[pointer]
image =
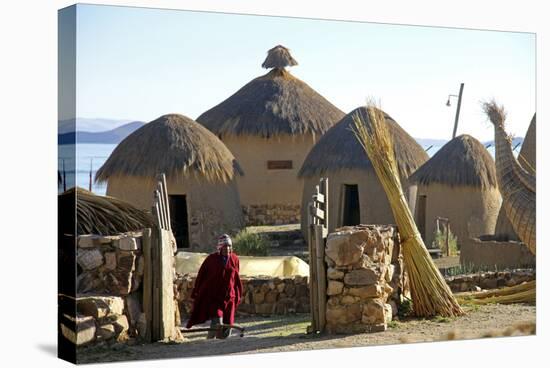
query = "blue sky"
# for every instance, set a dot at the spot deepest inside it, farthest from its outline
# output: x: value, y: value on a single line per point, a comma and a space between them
x: 139, y: 64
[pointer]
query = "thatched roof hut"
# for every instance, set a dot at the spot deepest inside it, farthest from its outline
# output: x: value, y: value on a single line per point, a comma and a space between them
x: 270, y: 125
x: 200, y: 172
x: 458, y: 183
x: 355, y: 193
x: 527, y: 159
x: 100, y: 215
x: 171, y: 144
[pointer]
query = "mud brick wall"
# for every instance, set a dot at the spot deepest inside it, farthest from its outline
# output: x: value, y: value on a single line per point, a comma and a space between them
x: 490, y: 251
x: 489, y: 280
x: 279, y: 214
x: 261, y: 295
x: 365, y: 278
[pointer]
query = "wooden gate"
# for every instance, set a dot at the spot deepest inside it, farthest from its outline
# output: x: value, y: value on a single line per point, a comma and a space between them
x: 159, y: 247
x: 317, y: 233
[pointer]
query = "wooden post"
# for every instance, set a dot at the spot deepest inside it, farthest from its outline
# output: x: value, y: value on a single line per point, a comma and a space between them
x: 447, y: 238
x: 64, y: 175
x: 164, y: 194
x: 314, y: 310
x: 458, y: 109
x: 90, y: 181
x: 321, y: 277
x: 147, y: 284
x: 160, y: 202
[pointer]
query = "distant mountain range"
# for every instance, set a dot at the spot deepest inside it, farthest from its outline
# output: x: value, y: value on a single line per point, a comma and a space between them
x: 112, y: 136
x: 427, y: 142
x: 89, y: 125
x: 114, y: 131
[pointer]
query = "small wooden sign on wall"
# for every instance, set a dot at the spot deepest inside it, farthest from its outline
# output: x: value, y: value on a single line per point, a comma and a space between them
x: 279, y: 165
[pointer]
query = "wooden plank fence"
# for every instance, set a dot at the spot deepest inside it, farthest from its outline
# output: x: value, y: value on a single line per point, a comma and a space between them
x: 317, y: 233
x: 158, y: 251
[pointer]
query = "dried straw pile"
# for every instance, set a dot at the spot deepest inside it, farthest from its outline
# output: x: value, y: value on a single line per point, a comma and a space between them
x: 524, y: 293
x: 430, y: 294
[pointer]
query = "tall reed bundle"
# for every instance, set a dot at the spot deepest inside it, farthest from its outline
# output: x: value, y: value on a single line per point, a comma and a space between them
x: 430, y: 294
x: 523, y: 293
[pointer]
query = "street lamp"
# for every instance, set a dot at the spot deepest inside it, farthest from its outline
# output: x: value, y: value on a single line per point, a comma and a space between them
x: 457, y: 106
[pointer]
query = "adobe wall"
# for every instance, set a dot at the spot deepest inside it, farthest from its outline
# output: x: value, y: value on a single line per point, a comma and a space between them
x: 489, y: 251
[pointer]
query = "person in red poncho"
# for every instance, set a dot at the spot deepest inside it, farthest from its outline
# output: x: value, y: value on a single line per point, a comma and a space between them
x: 218, y: 289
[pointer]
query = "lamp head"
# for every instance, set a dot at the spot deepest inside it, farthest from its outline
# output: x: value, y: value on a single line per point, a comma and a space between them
x: 448, y: 102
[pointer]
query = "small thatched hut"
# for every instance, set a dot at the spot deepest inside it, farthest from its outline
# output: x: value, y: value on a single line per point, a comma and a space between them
x: 200, y: 173
x: 458, y: 183
x: 355, y: 193
x: 527, y: 159
x: 270, y: 125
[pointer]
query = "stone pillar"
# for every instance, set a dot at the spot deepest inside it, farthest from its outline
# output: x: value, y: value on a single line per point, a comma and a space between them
x: 365, y: 278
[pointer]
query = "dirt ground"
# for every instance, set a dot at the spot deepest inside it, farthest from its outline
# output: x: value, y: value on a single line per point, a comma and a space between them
x: 287, y: 333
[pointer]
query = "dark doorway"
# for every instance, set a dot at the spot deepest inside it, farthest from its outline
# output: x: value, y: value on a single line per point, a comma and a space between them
x: 178, y: 221
x: 352, y: 214
x: 421, y: 215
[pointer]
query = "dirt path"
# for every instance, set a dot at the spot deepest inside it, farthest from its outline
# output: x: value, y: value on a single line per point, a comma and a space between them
x: 286, y: 333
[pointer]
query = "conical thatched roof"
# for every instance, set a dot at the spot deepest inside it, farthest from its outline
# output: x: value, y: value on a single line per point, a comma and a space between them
x: 339, y: 149
x: 463, y: 161
x: 99, y: 215
x: 172, y: 144
x: 278, y: 57
x: 276, y: 103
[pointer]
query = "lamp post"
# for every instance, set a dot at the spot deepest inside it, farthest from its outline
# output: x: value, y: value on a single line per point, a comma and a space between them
x: 457, y: 107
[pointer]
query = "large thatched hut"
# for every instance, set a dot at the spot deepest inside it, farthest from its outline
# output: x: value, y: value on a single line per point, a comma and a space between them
x: 200, y: 173
x: 458, y: 183
x: 355, y: 193
x: 270, y: 125
x: 527, y: 159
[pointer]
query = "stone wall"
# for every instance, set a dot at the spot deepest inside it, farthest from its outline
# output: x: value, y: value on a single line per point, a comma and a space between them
x: 111, y: 265
x: 490, y: 251
x: 489, y: 280
x: 109, y: 303
x: 261, y: 295
x: 365, y: 278
x: 267, y: 214
x: 103, y: 319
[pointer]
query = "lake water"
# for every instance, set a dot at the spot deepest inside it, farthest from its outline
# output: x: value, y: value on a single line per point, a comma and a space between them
x: 91, y: 156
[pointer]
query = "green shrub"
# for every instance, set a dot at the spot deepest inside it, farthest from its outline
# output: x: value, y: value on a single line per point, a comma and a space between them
x: 441, y: 241
x: 246, y: 243
x: 405, y: 308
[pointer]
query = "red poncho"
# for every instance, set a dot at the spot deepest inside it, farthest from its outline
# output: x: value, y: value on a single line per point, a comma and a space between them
x: 217, y: 290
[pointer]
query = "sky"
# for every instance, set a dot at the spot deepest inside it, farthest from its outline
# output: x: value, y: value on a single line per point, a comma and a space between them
x: 138, y: 64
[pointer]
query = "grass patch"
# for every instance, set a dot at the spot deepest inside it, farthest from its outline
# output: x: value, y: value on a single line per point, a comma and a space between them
x: 440, y: 241
x: 441, y: 319
x: 405, y: 309
x: 393, y: 324
x: 246, y: 243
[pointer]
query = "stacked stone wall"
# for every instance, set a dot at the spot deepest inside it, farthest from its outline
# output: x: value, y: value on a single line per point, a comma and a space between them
x: 109, y: 303
x: 365, y: 278
x: 261, y: 295
x: 489, y: 280
x: 267, y: 214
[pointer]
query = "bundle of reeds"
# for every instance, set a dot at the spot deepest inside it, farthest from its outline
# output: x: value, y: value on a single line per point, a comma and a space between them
x: 523, y: 293
x: 430, y: 294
